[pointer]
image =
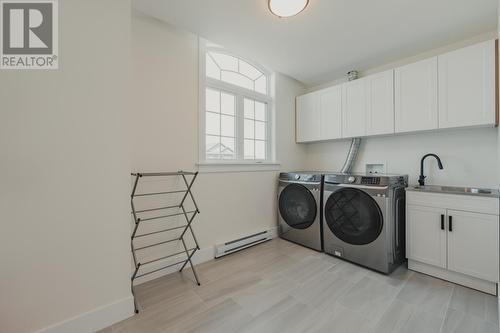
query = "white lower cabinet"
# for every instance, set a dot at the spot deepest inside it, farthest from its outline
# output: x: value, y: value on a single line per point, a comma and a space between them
x: 473, y: 244
x: 426, y: 240
x: 454, y: 237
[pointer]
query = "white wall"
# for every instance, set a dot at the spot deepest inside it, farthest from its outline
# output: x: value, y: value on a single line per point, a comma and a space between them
x: 164, y: 134
x: 64, y: 186
x: 469, y: 156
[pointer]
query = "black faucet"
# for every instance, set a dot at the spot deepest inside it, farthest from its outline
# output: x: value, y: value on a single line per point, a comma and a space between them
x: 421, y: 179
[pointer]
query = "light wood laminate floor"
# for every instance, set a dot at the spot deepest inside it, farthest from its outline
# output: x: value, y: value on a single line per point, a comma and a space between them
x: 282, y: 287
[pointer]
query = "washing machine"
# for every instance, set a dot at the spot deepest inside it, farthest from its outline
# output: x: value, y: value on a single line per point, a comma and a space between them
x: 299, y: 208
x: 364, y: 219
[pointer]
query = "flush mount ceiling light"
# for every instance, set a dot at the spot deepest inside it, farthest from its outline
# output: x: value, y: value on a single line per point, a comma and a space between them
x: 287, y: 8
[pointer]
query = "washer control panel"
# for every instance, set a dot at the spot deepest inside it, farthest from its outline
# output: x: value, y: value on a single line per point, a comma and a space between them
x: 370, y: 180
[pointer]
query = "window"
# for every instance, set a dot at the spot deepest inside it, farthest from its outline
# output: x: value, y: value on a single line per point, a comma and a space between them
x: 235, y: 109
x: 255, y: 125
x: 220, y: 125
x: 235, y: 71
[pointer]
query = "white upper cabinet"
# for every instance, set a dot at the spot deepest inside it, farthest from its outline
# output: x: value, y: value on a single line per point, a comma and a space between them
x: 319, y: 115
x: 307, y: 118
x: 354, y: 108
x: 456, y: 89
x: 368, y: 105
x: 416, y: 96
x: 330, y: 105
x: 380, y: 103
x: 467, y: 86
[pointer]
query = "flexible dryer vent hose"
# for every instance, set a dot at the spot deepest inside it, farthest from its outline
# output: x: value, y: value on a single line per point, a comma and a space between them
x: 351, y: 155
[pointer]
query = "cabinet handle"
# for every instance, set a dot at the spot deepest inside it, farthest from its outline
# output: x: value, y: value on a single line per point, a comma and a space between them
x: 450, y: 223
x: 442, y: 221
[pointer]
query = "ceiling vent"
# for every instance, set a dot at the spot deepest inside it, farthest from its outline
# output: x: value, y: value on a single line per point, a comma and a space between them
x: 352, y: 75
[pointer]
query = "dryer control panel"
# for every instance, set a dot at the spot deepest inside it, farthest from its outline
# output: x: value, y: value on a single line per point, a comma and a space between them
x: 300, y: 177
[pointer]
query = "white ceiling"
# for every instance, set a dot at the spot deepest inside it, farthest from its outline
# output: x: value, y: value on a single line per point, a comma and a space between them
x: 331, y: 36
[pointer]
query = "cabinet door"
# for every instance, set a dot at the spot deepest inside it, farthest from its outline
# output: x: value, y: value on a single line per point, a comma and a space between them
x: 425, y: 239
x: 473, y: 244
x: 380, y: 103
x: 330, y: 105
x: 416, y: 96
x: 354, y: 109
x: 307, y: 117
x: 467, y: 86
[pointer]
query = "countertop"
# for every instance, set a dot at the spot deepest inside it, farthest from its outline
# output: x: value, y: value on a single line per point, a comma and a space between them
x: 471, y: 191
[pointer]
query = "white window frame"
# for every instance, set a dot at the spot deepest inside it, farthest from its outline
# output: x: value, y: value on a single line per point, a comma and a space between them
x: 240, y: 93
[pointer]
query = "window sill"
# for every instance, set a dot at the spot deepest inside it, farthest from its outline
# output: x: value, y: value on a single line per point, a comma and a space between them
x: 210, y: 167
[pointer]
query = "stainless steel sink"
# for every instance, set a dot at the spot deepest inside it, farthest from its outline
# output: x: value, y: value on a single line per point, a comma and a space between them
x: 485, y: 192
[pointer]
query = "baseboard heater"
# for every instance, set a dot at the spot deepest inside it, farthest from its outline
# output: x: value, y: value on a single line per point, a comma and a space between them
x: 242, y: 243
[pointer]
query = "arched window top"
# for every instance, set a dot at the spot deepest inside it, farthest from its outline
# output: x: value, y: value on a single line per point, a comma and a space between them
x: 236, y: 71
x: 236, y: 105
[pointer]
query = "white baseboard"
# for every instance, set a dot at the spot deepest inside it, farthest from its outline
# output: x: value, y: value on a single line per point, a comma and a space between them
x: 94, y: 320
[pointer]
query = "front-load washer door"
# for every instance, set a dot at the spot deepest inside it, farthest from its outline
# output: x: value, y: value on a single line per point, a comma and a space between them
x: 353, y: 216
x: 297, y: 206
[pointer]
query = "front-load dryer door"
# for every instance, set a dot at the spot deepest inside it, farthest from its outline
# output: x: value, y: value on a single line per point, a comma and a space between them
x: 353, y: 216
x: 297, y: 206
